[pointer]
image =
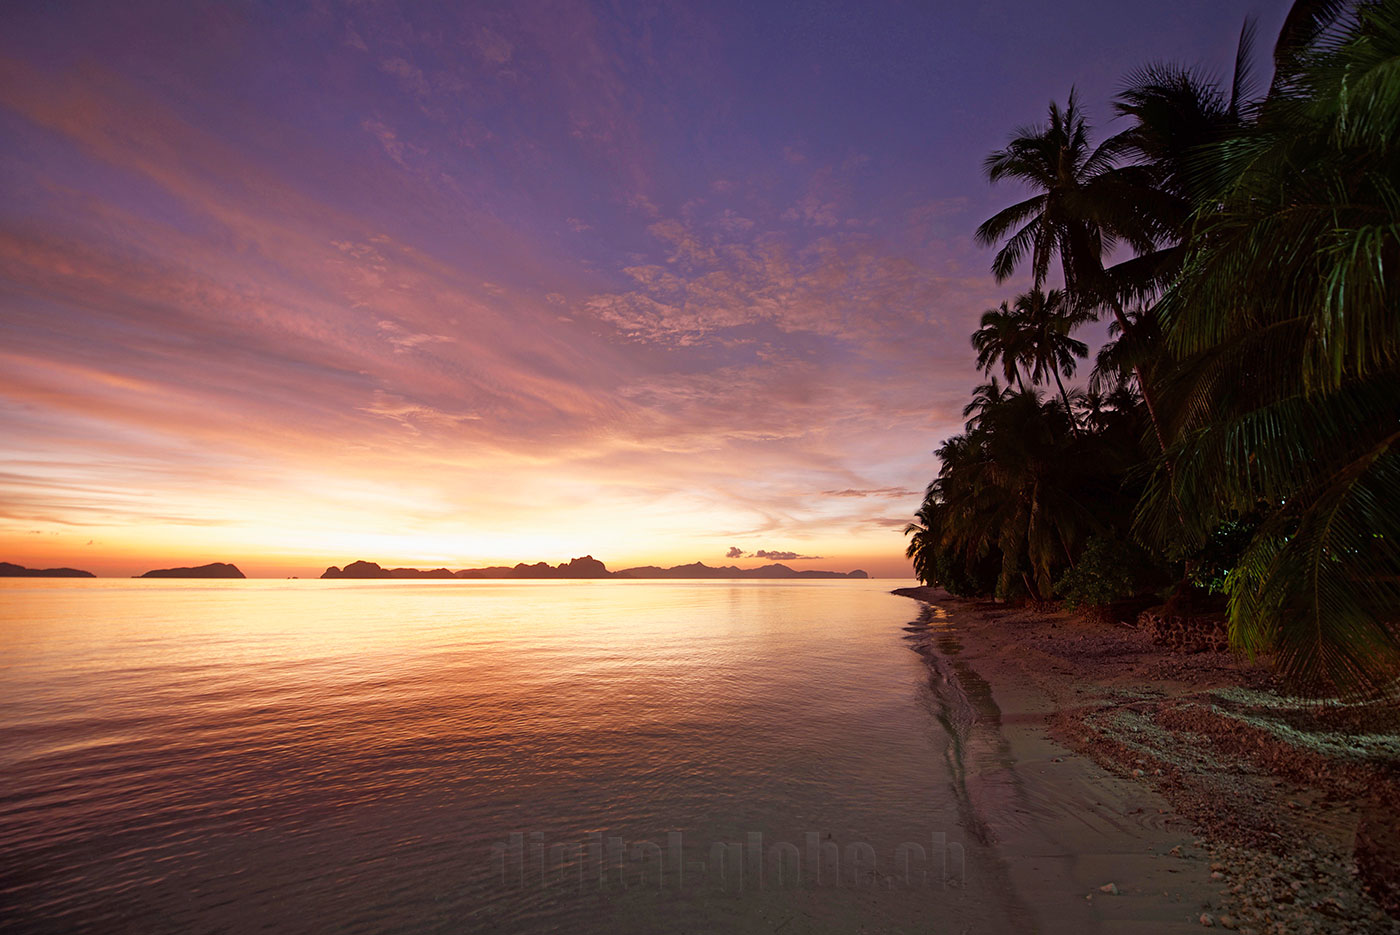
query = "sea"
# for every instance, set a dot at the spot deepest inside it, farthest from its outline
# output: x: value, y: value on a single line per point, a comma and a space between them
x: 490, y: 756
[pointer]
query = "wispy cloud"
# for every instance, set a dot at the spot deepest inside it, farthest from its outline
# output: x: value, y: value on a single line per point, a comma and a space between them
x: 448, y: 276
x: 887, y: 493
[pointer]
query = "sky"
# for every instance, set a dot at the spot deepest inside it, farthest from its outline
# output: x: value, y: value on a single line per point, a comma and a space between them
x: 462, y: 284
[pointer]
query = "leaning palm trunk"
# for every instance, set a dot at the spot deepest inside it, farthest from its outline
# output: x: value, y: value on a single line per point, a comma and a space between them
x: 1069, y: 410
x: 1146, y: 392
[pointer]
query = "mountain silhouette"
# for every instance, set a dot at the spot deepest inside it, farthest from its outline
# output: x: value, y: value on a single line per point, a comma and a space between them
x: 579, y: 568
x: 11, y: 570
x: 212, y: 570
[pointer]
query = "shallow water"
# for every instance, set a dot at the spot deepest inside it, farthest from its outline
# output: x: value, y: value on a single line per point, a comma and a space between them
x: 489, y: 756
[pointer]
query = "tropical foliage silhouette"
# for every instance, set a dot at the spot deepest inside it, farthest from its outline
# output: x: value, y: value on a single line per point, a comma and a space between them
x: 1241, y: 423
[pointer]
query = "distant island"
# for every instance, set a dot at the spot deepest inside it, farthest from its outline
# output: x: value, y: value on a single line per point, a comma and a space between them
x: 584, y: 567
x: 11, y: 570
x: 212, y: 570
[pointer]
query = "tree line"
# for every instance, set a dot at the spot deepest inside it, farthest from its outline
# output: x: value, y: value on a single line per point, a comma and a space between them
x: 1234, y: 445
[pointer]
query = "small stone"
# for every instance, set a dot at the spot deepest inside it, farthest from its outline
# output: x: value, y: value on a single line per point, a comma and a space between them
x: 1176, y: 851
x: 1217, y: 875
x: 1206, y: 919
x: 1137, y: 773
x: 1227, y: 922
x: 1296, y: 885
x: 1109, y: 888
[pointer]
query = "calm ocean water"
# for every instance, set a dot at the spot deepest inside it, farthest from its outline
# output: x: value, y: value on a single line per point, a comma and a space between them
x: 596, y: 756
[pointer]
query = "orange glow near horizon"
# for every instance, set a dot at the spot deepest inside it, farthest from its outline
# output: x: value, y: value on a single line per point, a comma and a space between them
x: 209, y: 359
x: 291, y: 286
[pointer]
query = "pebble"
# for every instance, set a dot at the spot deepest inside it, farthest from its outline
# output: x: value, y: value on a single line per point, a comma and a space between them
x: 1206, y: 919
x: 1109, y: 888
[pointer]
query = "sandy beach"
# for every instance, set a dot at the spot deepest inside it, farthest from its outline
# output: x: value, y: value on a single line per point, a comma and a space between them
x: 1166, y: 792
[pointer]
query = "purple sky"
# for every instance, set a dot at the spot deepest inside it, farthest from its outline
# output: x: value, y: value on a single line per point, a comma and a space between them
x: 463, y: 283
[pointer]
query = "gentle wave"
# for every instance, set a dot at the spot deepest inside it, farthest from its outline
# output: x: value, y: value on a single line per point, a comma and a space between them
x: 309, y: 755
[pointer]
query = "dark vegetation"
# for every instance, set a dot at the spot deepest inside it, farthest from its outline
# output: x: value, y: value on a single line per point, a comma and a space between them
x: 1235, y: 445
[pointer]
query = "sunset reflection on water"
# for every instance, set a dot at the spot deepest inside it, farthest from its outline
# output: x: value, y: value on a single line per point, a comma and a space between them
x: 236, y: 754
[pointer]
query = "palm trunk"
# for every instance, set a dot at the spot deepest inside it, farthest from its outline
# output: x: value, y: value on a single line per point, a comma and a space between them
x: 1151, y: 412
x: 1122, y: 319
x: 1065, y: 545
x: 1073, y: 422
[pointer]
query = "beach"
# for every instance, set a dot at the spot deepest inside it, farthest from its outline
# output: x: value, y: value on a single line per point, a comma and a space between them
x: 1186, y: 786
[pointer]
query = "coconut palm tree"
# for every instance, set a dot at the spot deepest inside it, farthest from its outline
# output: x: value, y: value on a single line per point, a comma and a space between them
x: 1084, y: 206
x: 1124, y: 354
x: 1049, y: 348
x: 1284, y: 326
x: 923, y: 541
x: 985, y: 397
x: 1079, y: 210
x: 1013, y: 490
x: 1306, y: 23
x: 1176, y: 114
x: 1001, y: 339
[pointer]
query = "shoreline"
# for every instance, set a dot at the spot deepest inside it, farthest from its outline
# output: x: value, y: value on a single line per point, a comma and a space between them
x: 1186, y: 781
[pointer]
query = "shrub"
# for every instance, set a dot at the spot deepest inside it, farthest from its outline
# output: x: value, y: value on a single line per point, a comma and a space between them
x: 1215, y: 560
x: 1107, y: 570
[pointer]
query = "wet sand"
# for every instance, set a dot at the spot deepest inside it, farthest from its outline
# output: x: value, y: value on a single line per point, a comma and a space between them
x: 1129, y: 790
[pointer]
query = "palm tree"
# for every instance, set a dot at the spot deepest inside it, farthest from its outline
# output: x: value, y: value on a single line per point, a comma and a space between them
x: 1306, y: 23
x: 1177, y: 113
x: 985, y: 397
x: 1049, y: 347
x: 1084, y: 205
x: 1000, y: 339
x: 1124, y: 354
x: 1284, y: 326
x: 1014, y: 490
x: 1079, y: 210
x: 923, y: 542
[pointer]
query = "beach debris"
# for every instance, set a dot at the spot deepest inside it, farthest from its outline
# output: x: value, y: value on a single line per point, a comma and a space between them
x: 1109, y: 888
x: 1207, y: 919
